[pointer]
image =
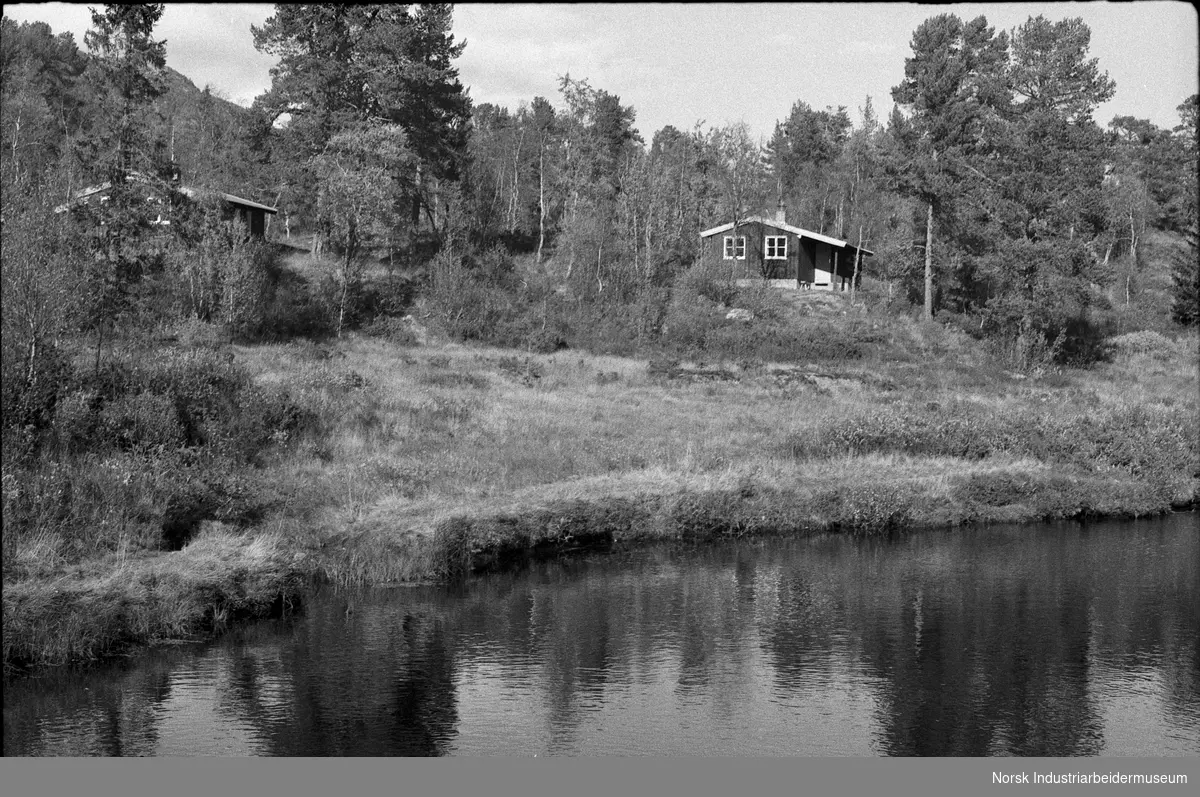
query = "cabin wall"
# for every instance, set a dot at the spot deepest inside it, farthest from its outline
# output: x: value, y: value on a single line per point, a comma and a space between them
x: 753, y: 266
x: 254, y: 219
x: 808, y: 259
x: 812, y: 263
x: 780, y: 269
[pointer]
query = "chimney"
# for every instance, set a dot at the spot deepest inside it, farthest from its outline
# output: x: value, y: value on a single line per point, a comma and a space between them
x: 781, y: 213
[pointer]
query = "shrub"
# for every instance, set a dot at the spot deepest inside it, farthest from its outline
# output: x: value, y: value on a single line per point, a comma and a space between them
x: 141, y: 423
x: 1030, y: 351
x: 1157, y: 445
x: 1185, y: 276
x: 812, y: 340
x: 398, y: 331
x: 869, y: 508
x: 1144, y: 342
x: 298, y: 308
x: 546, y: 341
x: 689, y: 321
x: 708, y: 279
x: 30, y: 389
x: 763, y: 301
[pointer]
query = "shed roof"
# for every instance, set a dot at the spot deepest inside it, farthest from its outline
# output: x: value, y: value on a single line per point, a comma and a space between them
x: 187, y: 190
x: 800, y: 231
x: 195, y: 193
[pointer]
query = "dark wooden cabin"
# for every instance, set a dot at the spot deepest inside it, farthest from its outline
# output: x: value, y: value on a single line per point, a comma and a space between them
x: 783, y: 255
x: 252, y: 214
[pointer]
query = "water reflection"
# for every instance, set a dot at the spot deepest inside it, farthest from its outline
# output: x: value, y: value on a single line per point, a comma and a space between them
x: 1045, y: 641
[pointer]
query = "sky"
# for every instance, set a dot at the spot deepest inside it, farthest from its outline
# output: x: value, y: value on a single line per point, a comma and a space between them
x: 714, y: 63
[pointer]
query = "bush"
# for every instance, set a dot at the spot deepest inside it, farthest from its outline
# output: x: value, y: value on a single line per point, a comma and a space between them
x: 708, y: 279
x: 869, y: 509
x: 1156, y: 445
x: 298, y: 309
x: 689, y: 321
x: 398, y: 331
x: 1144, y: 342
x: 1185, y: 276
x: 785, y: 343
x: 763, y: 301
x: 30, y: 392
x: 141, y: 423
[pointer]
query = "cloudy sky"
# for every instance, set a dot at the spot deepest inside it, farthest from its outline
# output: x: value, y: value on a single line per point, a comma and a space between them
x: 717, y: 63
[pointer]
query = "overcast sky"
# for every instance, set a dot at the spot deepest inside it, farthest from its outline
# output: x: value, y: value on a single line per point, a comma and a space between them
x: 679, y: 64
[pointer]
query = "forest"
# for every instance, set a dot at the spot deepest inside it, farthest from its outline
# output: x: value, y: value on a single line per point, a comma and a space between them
x: 158, y: 378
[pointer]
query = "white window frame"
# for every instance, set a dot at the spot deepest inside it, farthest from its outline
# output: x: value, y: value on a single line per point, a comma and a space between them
x: 772, y: 249
x: 729, y: 247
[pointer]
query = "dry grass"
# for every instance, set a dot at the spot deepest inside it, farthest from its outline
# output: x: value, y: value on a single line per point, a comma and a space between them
x: 498, y: 446
x: 425, y: 462
x: 104, y: 606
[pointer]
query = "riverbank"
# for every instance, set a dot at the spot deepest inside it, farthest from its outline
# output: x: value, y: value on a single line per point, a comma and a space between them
x: 415, y: 463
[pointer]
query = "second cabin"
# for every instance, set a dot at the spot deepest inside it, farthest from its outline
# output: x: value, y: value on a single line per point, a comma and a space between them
x: 759, y: 249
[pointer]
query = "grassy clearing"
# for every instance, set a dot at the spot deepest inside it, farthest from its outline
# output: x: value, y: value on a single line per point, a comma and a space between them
x: 412, y: 463
x: 440, y: 460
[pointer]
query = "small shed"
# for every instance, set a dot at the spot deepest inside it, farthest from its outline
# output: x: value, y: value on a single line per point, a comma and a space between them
x: 781, y: 254
x: 158, y: 192
x: 250, y: 213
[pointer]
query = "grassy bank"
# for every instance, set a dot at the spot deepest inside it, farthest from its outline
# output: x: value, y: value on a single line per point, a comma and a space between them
x: 419, y: 462
x: 105, y: 606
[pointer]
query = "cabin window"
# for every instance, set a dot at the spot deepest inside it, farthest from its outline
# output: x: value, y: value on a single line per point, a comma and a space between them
x: 776, y: 247
x: 733, y: 250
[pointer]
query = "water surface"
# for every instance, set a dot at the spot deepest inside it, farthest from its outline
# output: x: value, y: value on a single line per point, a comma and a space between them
x: 1033, y: 641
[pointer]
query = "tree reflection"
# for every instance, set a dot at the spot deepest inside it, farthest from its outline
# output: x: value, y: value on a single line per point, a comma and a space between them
x: 986, y: 642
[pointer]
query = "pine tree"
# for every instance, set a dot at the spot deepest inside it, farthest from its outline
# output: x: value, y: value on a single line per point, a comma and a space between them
x: 126, y: 72
x: 953, y: 88
x: 344, y: 65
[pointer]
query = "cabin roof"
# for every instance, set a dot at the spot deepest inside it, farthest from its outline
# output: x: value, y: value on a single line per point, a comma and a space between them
x: 800, y: 231
x: 195, y: 193
x: 189, y: 191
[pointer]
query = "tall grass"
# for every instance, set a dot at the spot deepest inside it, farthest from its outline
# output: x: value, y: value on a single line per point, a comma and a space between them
x: 110, y: 605
x: 372, y: 462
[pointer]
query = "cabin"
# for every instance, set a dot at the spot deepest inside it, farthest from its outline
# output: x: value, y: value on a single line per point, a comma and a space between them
x: 252, y: 214
x: 248, y: 212
x: 782, y: 255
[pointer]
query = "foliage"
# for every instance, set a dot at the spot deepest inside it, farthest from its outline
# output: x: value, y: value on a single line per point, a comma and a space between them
x: 41, y: 95
x: 364, y: 172
x: 342, y: 66
x: 224, y: 275
x: 802, y: 151
x: 1185, y: 301
x: 1151, y: 443
x: 128, y: 67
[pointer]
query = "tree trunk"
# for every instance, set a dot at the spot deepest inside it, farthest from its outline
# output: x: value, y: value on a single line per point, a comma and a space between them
x: 541, y: 200
x: 635, y: 243
x: 16, y: 138
x: 1133, y: 240
x: 733, y: 263
x: 857, y: 265
x: 929, y: 263
x: 599, y: 281
x: 514, y: 196
x: 649, y: 254
x: 99, y: 344
x: 342, y: 300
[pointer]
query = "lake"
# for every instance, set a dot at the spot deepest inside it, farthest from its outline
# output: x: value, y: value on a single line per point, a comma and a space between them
x: 1053, y: 640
